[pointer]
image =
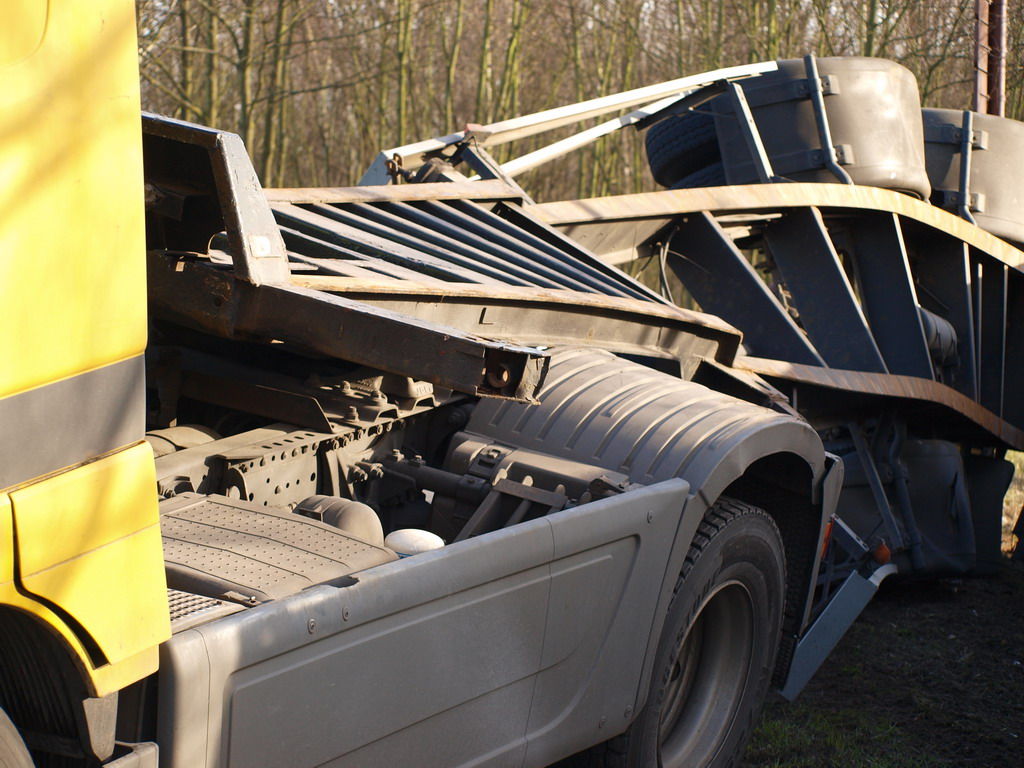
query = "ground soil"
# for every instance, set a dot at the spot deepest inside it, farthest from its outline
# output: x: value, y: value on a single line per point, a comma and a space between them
x: 931, y: 674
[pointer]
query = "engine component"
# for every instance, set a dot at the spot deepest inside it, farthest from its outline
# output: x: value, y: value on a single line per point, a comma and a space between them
x: 412, y: 541
x: 239, y: 551
x: 347, y: 515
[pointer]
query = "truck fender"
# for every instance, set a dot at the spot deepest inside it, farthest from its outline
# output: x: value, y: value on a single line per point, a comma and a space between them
x: 599, y: 409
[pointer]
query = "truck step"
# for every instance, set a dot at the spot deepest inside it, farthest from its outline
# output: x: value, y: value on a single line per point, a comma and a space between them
x: 246, y: 553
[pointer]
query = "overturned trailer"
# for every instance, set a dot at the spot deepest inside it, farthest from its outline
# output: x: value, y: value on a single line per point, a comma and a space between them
x: 649, y: 514
x: 435, y: 357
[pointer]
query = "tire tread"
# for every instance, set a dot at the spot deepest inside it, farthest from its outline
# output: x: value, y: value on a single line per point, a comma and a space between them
x: 719, y: 516
x: 681, y: 145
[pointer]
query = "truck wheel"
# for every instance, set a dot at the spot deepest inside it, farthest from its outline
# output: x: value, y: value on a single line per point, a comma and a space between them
x: 12, y: 749
x: 717, y: 649
x: 681, y: 145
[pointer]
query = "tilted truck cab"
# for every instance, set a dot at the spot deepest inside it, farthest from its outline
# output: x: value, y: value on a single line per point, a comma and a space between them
x: 81, y: 578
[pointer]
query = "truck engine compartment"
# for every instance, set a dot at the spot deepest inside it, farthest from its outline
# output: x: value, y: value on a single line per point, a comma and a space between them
x: 337, y: 453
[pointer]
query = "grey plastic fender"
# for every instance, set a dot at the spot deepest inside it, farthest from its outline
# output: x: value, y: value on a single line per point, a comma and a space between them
x: 598, y: 409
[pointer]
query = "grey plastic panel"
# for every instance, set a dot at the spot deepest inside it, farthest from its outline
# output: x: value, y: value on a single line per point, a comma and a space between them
x: 997, y: 156
x: 873, y: 109
x: 434, y: 659
x: 238, y: 550
x: 601, y: 639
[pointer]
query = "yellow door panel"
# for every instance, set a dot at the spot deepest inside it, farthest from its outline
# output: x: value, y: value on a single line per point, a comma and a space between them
x: 6, y: 541
x: 89, y: 542
x: 72, y: 240
x: 22, y: 30
x: 109, y: 591
x: 85, y: 508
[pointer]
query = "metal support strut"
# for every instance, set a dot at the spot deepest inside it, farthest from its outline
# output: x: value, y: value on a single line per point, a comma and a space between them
x: 828, y: 150
x: 762, y: 164
x: 966, y: 146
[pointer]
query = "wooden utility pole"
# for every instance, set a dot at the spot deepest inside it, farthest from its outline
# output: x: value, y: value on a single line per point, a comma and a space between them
x: 980, y: 101
x: 997, y: 57
x: 989, y: 57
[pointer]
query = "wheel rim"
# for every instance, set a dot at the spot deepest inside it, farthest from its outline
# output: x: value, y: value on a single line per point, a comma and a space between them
x: 711, y: 666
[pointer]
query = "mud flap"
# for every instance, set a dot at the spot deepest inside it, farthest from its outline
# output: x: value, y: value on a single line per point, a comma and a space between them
x: 829, y: 628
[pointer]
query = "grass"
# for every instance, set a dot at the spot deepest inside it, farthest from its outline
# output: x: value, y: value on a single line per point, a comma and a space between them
x: 802, y: 737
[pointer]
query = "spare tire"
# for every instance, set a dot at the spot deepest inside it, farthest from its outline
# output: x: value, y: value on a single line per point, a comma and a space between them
x: 681, y: 145
x: 710, y: 176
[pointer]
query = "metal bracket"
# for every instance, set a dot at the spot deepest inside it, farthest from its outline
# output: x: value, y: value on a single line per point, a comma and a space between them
x: 793, y: 162
x: 950, y: 199
x: 826, y: 632
x: 489, y: 513
x: 896, y: 539
x: 850, y: 541
x: 481, y: 161
x: 763, y: 94
x: 948, y: 133
x: 257, y: 248
x: 966, y: 148
x: 828, y: 149
x: 689, y: 102
x: 550, y: 119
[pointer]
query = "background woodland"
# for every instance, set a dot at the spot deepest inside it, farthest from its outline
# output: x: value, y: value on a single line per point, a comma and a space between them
x: 317, y: 87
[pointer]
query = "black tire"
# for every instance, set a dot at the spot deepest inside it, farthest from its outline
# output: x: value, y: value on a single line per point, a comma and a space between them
x: 710, y: 176
x: 12, y: 749
x: 680, y: 145
x: 717, y: 649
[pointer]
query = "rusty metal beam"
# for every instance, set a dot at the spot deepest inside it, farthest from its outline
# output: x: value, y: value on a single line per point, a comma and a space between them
x: 531, y: 316
x: 478, y: 190
x: 647, y: 210
x: 194, y: 293
x: 880, y: 385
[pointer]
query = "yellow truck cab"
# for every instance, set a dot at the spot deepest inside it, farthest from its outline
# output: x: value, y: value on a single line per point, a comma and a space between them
x: 81, y: 573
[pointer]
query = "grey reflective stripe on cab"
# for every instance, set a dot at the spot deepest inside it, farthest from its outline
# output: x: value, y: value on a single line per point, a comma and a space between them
x: 70, y: 421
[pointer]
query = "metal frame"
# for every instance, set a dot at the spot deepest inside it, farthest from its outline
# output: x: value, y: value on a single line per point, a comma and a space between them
x: 655, y: 97
x: 955, y: 270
